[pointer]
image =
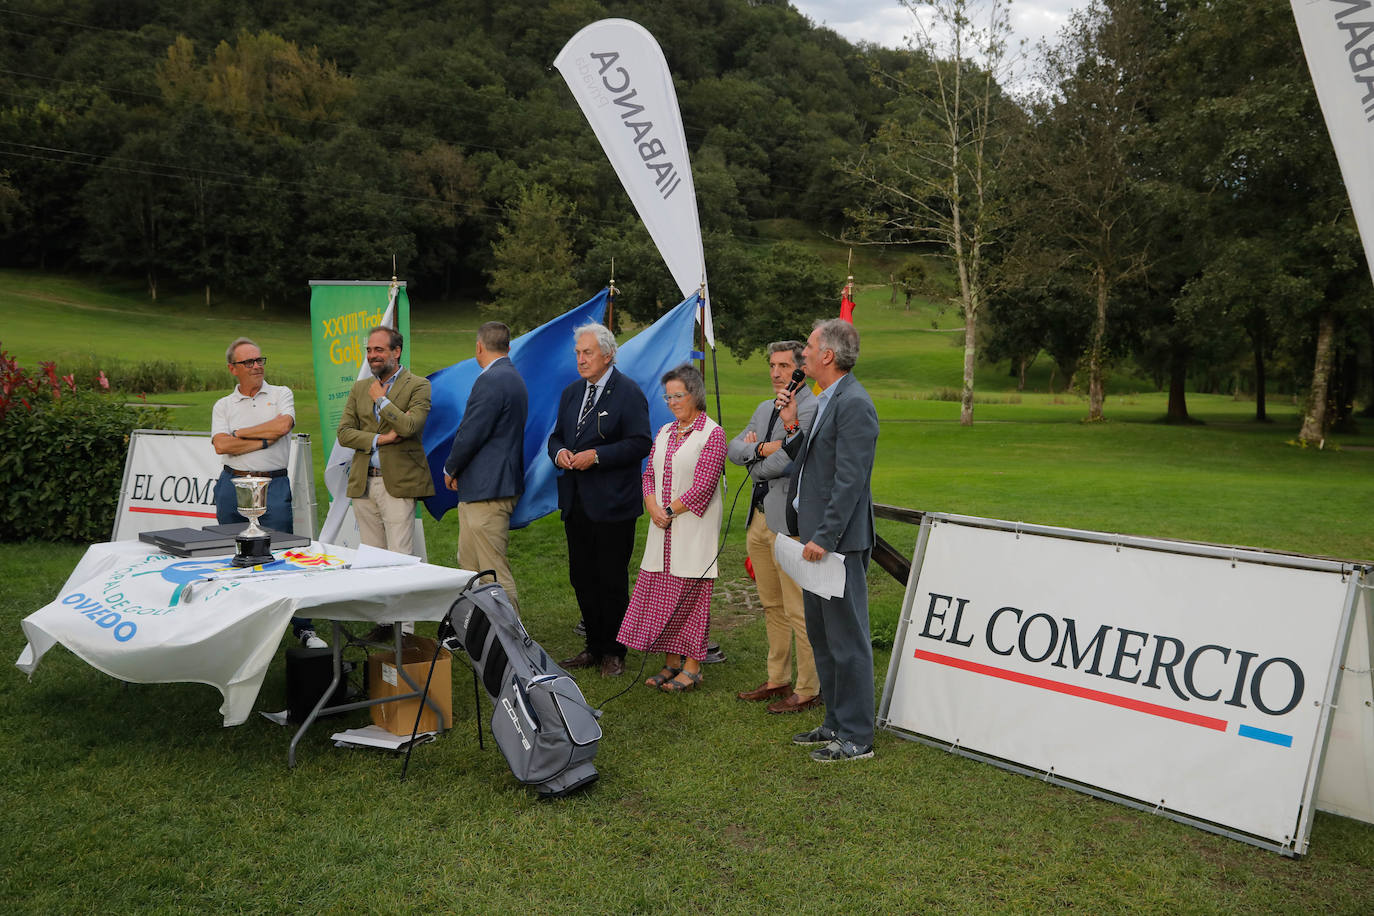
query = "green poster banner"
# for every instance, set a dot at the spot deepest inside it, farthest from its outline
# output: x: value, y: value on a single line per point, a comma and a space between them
x: 342, y: 313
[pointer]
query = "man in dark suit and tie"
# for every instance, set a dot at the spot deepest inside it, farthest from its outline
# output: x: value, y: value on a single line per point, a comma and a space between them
x: 599, y: 444
x: 486, y: 466
x: 832, y: 510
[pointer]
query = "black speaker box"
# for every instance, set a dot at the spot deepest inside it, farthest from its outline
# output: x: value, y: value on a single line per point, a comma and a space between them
x: 308, y: 673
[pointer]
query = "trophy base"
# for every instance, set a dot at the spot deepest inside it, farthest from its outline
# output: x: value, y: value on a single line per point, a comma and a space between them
x: 253, y: 551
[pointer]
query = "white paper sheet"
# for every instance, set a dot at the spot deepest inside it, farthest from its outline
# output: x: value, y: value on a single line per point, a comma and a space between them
x: 824, y: 577
x: 370, y: 557
x: 376, y: 736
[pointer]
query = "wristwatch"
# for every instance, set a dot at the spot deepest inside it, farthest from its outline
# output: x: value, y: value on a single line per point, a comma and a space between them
x: 670, y: 512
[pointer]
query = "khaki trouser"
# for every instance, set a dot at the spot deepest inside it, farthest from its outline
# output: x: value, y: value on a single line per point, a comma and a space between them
x: 384, y: 520
x: 783, y: 615
x: 483, y: 535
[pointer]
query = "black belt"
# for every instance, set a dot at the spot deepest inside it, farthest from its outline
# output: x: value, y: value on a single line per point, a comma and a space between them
x: 373, y: 472
x: 279, y: 472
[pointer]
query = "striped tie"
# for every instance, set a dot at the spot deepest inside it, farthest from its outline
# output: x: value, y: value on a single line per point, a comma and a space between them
x: 587, y: 405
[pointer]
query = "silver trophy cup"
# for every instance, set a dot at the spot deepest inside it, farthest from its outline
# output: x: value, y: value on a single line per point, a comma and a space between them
x: 254, y: 544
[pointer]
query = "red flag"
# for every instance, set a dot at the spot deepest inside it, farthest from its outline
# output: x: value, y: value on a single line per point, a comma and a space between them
x: 847, y: 302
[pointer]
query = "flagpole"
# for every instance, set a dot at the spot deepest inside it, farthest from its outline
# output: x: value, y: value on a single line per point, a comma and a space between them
x: 610, y: 299
x: 847, y: 295
x: 701, y: 332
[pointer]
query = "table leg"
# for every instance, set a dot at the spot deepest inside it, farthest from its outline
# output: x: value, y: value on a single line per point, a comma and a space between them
x: 336, y: 650
x: 337, y: 647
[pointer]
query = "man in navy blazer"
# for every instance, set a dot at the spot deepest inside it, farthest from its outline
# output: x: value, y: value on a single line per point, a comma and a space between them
x: 599, y: 444
x: 486, y: 466
x: 831, y: 508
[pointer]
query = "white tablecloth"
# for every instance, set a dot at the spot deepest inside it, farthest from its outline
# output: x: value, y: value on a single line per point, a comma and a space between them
x: 126, y: 610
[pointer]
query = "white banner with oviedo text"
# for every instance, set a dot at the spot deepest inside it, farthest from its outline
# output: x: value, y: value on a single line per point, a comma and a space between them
x: 150, y: 618
x: 1197, y: 683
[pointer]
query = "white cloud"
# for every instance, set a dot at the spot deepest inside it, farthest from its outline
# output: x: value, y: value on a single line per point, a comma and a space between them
x: 887, y: 22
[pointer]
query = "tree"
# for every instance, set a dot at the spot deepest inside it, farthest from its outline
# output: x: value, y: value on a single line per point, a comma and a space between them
x: 1078, y: 157
x: 930, y: 174
x: 790, y: 288
x: 127, y: 207
x: 911, y: 279
x: 11, y: 201
x: 448, y: 185
x: 533, y: 264
x: 262, y: 81
x: 1254, y: 224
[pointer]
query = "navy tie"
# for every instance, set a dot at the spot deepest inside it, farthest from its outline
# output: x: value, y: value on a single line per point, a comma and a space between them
x: 587, y: 405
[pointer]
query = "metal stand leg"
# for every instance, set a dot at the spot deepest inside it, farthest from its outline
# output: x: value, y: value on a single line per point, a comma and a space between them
x: 337, y: 652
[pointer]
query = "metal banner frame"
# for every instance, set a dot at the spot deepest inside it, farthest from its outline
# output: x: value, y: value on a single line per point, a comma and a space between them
x: 1352, y: 574
x: 300, y: 465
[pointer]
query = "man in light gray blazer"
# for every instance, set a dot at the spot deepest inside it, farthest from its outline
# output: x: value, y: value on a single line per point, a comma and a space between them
x: 832, y: 510
x: 759, y: 448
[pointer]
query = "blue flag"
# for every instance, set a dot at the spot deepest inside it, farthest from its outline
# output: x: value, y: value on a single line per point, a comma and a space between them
x: 544, y: 359
x: 665, y: 344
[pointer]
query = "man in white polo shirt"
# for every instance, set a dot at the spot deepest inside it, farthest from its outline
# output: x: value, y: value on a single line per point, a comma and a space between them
x: 250, y: 429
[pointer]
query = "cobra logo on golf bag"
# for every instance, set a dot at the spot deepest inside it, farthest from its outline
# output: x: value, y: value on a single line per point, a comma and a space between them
x: 515, y: 720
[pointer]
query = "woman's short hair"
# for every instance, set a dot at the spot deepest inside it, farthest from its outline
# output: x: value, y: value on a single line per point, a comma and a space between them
x: 691, y: 379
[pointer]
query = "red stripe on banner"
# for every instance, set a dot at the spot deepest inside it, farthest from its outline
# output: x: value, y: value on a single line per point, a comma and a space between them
x: 173, y: 512
x: 1085, y: 693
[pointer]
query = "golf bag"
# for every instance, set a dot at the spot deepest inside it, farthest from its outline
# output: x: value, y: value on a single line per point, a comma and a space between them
x: 545, y: 728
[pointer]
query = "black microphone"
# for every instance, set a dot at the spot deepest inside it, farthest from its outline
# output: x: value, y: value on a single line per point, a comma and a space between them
x: 798, y: 376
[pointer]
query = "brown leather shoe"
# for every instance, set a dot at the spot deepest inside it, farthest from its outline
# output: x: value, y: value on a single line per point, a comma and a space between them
x: 795, y: 703
x: 612, y: 666
x: 583, y: 659
x: 764, y: 692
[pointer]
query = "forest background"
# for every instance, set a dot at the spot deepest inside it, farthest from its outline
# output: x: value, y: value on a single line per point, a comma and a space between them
x: 1161, y: 197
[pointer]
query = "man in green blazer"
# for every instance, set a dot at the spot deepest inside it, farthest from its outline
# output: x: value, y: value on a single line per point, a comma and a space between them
x: 382, y: 422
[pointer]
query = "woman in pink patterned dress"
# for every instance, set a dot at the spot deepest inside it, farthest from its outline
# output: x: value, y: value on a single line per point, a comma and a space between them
x: 670, y: 610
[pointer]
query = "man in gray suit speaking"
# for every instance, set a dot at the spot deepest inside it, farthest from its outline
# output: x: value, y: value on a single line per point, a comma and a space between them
x: 759, y: 448
x: 486, y: 465
x: 831, y: 505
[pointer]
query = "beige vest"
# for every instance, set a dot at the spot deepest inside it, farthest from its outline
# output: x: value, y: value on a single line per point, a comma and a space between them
x: 694, y: 539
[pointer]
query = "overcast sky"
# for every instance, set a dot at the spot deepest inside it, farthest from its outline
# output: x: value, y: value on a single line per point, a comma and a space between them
x: 887, y: 22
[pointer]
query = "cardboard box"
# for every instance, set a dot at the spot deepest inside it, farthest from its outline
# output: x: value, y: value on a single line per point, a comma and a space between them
x: 384, y: 680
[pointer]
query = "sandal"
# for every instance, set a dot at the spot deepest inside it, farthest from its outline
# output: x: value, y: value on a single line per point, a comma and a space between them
x: 658, y: 680
x: 676, y: 686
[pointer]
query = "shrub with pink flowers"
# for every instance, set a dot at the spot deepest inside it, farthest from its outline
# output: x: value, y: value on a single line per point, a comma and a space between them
x: 62, y: 452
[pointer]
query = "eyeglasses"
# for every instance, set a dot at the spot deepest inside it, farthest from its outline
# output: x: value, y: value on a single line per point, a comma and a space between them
x: 250, y: 363
x: 670, y: 398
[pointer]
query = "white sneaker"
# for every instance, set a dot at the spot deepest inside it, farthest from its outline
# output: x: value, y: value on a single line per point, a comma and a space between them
x: 311, y: 640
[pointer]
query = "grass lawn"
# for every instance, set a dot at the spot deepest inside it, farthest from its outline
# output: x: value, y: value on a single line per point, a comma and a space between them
x: 133, y: 798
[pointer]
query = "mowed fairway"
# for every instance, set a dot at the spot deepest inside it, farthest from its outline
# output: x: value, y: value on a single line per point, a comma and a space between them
x: 122, y: 799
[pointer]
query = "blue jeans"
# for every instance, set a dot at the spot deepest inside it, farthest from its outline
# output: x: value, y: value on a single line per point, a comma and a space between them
x: 279, y: 516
